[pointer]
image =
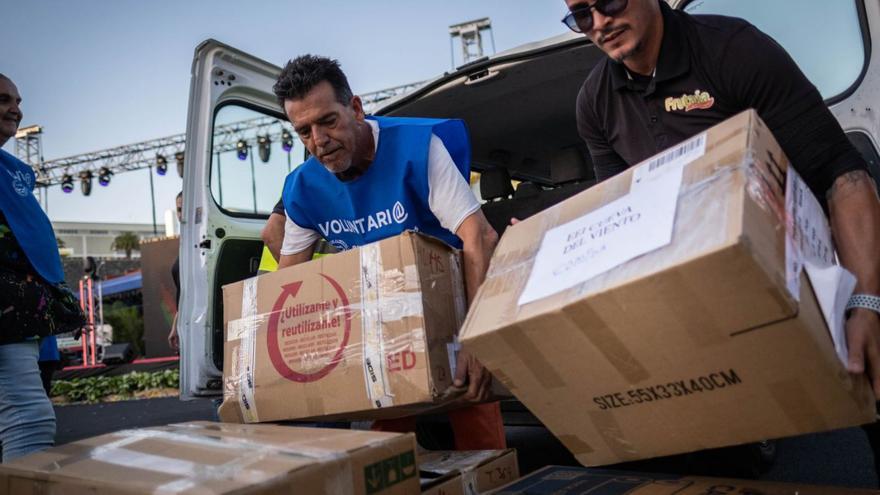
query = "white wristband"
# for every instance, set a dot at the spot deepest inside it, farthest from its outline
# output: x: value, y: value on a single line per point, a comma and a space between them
x: 865, y: 301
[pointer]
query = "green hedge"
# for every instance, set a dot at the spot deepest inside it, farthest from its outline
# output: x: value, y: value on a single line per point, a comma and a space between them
x: 93, y: 389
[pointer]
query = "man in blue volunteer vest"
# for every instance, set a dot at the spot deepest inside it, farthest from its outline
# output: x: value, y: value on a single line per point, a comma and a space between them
x: 370, y: 178
x: 29, y: 266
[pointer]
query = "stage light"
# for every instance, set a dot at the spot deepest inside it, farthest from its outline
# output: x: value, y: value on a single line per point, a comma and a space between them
x: 264, y: 142
x: 104, y: 176
x: 161, y: 165
x: 85, y: 182
x: 286, y: 140
x: 67, y: 183
x: 178, y: 157
x: 242, y: 149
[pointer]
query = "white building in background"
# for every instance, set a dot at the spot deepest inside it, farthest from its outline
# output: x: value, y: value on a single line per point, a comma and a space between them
x: 83, y: 239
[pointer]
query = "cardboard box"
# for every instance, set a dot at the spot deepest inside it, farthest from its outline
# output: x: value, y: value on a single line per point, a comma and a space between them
x: 559, y: 480
x: 466, y: 472
x: 216, y: 458
x: 447, y: 484
x: 363, y: 334
x: 697, y: 343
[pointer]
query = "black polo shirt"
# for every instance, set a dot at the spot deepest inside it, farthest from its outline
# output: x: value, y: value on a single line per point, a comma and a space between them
x: 710, y: 68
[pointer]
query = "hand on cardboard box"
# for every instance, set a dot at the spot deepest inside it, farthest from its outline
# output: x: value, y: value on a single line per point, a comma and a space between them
x: 863, y: 341
x: 469, y: 371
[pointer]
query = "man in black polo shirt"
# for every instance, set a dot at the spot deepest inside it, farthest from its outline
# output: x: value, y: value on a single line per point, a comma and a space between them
x: 671, y: 75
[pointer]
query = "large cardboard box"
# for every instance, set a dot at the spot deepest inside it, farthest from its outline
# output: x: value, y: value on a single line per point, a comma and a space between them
x: 216, y: 458
x: 466, y: 472
x: 559, y: 480
x: 362, y: 334
x: 693, y: 344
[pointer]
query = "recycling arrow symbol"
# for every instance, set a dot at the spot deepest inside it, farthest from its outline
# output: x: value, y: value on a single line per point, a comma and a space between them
x: 289, y: 292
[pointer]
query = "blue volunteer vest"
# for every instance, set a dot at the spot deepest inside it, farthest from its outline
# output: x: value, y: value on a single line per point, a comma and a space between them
x: 49, y: 349
x: 389, y: 198
x: 27, y: 220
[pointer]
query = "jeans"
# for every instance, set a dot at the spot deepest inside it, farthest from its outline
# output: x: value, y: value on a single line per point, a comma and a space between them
x: 27, y: 420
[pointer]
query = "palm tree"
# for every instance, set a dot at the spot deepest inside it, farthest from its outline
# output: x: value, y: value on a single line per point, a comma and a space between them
x: 126, y: 241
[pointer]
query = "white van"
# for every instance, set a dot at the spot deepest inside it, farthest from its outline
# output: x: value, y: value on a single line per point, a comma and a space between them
x: 519, y: 106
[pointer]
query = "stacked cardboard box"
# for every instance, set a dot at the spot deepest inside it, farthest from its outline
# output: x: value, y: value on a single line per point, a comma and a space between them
x: 559, y: 480
x: 215, y: 458
x: 660, y: 312
x: 363, y: 334
x: 466, y: 472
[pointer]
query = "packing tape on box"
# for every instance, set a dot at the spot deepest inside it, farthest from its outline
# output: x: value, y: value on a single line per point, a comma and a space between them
x: 242, y: 468
x: 240, y: 327
x: 246, y: 386
x: 575, y: 445
x: 459, y: 296
x: 609, y: 429
x: 375, y: 371
x: 590, y: 324
x: 395, y: 307
x: 767, y: 178
x: 529, y: 355
x: 469, y: 482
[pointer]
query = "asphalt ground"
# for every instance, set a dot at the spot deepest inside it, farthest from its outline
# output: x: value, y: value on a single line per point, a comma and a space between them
x: 837, y: 458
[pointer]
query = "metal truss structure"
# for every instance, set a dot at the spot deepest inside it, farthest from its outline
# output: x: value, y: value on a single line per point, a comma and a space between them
x: 227, y: 137
x: 137, y: 156
x: 372, y: 100
x: 28, y: 145
x: 471, y: 34
x: 145, y: 154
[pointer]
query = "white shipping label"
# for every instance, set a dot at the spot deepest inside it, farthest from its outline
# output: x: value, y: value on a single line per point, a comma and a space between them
x: 631, y: 226
x: 808, y: 235
x: 675, y: 157
x: 833, y: 285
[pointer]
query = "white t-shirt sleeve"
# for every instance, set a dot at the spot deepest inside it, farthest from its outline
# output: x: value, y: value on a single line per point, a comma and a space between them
x: 450, y: 197
x: 296, y: 238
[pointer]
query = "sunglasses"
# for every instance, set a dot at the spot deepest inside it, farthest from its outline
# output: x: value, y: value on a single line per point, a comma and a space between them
x: 580, y: 20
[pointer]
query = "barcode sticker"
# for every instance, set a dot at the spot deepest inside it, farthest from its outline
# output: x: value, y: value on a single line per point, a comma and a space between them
x: 677, y: 156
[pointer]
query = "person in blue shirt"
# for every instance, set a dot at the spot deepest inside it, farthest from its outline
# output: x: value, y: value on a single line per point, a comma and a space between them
x: 370, y: 178
x: 49, y: 361
x: 33, y: 301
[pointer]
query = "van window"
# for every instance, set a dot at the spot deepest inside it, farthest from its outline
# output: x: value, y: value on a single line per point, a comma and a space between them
x: 252, y: 154
x: 824, y: 38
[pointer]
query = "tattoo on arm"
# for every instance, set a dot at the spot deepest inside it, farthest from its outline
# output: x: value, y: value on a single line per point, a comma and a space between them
x: 848, y: 182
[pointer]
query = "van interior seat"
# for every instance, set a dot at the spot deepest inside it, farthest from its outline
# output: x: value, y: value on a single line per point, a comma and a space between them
x: 526, y: 204
x: 571, y: 164
x: 527, y: 190
x: 495, y: 184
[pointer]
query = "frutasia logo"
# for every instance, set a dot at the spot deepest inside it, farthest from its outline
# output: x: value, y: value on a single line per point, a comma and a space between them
x: 700, y: 100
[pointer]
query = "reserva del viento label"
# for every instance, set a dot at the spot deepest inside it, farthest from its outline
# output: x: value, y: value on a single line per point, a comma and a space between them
x: 306, y: 339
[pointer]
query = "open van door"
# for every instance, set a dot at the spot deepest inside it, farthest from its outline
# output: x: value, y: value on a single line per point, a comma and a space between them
x: 239, y: 148
x: 845, y: 68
